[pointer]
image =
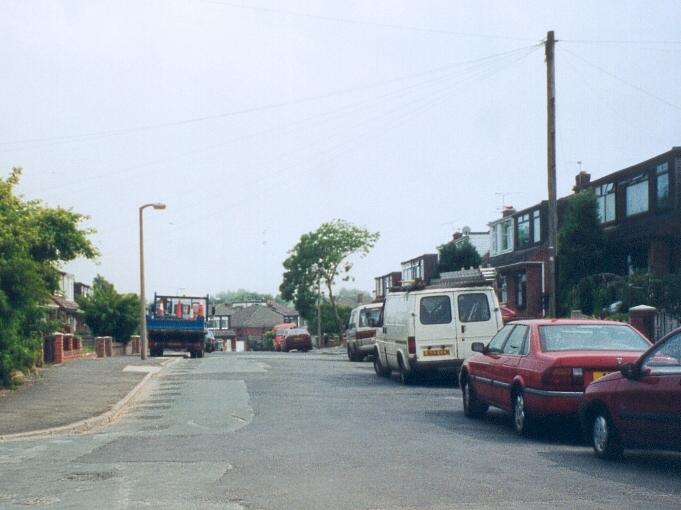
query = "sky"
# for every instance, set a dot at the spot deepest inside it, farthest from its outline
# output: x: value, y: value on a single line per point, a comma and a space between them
x: 255, y: 121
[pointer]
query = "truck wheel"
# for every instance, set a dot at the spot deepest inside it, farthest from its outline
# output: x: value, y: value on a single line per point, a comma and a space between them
x: 199, y: 354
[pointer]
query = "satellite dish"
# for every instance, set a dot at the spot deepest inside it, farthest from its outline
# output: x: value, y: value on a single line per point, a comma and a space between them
x: 466, y: 230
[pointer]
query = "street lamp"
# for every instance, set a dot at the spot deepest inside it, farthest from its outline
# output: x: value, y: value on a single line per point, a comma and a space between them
x: 143, y: 320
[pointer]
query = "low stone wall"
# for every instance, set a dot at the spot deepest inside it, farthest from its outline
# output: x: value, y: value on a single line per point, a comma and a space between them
x: 60, y: 347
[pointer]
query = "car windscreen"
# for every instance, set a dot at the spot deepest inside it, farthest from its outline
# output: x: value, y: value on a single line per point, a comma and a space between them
x: 297, y: 331
x: 590, y: 337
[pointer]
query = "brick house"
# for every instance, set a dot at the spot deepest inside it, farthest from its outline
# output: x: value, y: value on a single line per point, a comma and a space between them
x: 385, y: 282
x: 639, y: 208
x: 420, y: 268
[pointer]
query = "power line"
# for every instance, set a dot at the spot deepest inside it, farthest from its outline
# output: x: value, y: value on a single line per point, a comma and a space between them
x: 243, y: 111
x: 622, y: 80
x: 394, y: 26
x: 625, y: 42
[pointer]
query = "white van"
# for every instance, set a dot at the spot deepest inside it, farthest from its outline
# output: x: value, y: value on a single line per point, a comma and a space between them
x: 434, y: 328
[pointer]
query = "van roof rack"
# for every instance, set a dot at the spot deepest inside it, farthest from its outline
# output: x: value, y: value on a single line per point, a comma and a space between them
x: 465, y: 278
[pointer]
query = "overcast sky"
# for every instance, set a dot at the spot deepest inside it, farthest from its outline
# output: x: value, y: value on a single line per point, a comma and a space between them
x: 257, y: 120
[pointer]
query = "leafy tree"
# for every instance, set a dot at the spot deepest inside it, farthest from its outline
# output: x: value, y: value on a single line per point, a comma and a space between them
x: 581, y: 243
x: 328, y: 319
x: 320, y: 257
x: 34, y: 239
x: 108, y: 313
x: 233, y: 296
x: 454, y: 258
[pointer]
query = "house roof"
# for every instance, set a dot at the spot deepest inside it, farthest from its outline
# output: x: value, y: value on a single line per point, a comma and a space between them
x: 282, y: 309
x: 255, y: 316
x: 65, y: 304
x: 221, y: 309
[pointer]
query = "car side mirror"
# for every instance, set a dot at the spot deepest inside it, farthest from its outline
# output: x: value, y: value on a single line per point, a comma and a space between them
x: 630, y: 371
x: 478, y: 347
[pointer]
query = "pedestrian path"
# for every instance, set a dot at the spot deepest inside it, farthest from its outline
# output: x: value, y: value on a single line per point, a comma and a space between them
x: 78, y: 390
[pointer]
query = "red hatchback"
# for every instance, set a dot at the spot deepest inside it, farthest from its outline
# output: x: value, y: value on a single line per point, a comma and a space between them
x: 639, y: 406
x: 540, y: 367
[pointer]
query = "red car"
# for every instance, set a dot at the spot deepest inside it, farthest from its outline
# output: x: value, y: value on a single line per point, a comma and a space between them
x: 639, y: 406
x: 297, y: 338
x: 540, y: 367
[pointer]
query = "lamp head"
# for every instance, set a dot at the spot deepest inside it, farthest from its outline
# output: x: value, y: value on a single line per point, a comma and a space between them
x: 158, y: 206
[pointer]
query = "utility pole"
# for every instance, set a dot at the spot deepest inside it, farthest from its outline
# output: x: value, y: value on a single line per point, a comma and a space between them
x: 319, y: 313
x: 551, y: 167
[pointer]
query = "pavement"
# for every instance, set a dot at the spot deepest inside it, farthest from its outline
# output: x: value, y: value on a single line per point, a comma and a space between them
x: 76, y: 395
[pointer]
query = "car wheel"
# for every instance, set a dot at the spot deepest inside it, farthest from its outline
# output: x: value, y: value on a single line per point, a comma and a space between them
x: 406, y: 377
x: 380, y: 370
x: 472, y: 407
x: 351, y: 355
x: 604, y: 437
x: 521, y: 421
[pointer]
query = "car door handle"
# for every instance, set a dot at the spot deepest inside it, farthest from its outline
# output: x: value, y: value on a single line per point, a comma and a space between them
x: 463, y: 328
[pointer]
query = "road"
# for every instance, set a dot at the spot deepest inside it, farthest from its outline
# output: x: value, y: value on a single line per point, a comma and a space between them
x: 289, y: 431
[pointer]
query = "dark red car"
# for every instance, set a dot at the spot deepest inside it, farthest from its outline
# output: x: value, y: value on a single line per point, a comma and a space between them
x: 639, y: 406
x: 540, y: 367
x: 296, y: 338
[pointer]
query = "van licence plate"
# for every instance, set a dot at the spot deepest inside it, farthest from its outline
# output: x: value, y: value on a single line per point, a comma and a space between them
x: 436, y: 352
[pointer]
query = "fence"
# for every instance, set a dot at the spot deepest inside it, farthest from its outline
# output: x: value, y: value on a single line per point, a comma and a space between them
x: 664, y: 323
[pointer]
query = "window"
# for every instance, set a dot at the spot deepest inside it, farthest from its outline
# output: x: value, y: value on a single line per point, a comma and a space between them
x: 436, y: 310
x: 369, y: 317
x: 520, y: 290
x: 586, y: 337
x: 523, y: 225
x: 224, y: 322
x: 637, y: 195
x: 506, y: 235
x: 501, y: 237
x: 516, y: 343
x: 473, y: 307
x: 605, y: 197
x: 666, y: 359
x: 662, y: 186
x: 536, y: 226
x: 503, y: 289
x: 498, y: 340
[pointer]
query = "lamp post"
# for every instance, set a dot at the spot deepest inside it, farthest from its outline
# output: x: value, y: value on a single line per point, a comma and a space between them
x: 143, y: 320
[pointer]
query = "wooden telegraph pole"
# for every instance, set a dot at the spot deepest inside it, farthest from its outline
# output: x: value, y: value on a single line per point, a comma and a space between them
x: 551, y: 167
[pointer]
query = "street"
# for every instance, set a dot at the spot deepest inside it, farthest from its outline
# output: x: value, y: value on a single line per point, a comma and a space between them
x: 279, y: 431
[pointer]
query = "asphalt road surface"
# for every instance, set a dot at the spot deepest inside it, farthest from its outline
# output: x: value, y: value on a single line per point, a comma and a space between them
x: 289, y: 431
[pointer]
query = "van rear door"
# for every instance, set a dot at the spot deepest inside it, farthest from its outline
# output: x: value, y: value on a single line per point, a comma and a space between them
x: 476, y: 312
x: 434, y: 328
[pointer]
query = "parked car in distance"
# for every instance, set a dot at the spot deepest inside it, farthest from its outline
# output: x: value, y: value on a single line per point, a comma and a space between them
x: 507, y: 313
x: 540, y: 367
x: 425, y: 330
x: 639, y: 406
x: 361, y: 332
x: 210, y: 342
x: 297, y: 338
x: 280, y: 332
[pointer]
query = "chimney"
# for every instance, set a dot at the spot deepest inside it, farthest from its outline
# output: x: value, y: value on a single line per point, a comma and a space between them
x: 582, y: 180
x: 508, y: 210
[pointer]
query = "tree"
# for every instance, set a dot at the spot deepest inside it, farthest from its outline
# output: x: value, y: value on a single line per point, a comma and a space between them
x: 234, y: 296
x: 581, y: 243
x: 108, y: 313
x: 34, y: 239
x: 328, y: 319
x: 319, y: 258
x: 454, y: 258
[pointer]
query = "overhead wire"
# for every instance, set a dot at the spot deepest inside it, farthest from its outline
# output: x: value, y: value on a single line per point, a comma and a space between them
x: 622, y: 80
x: 12, y: 145
x: 352, y: 21
x: 365, y: 105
